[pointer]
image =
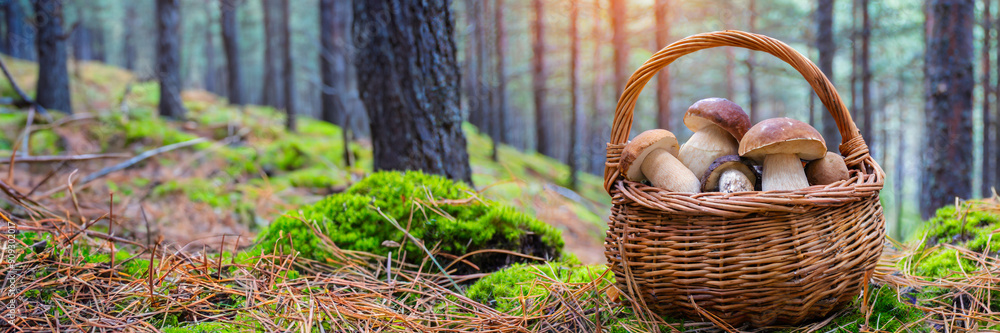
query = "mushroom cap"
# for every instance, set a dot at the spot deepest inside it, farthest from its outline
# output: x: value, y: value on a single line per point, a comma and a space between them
x: 830, y: 169
x: 710, y: 181
x: 640, y: 146
x: 720, y: 112
x: 782, y: 136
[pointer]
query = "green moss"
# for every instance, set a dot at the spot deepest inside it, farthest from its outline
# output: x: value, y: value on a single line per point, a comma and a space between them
x: 45, y: 142
x: 352, y: 221
x: 317, y: 177
x: 888, y: 314
x: 505, y: 289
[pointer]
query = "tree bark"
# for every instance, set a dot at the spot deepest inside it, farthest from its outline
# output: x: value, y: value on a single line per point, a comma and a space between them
x: 53, y: 78
x: 663, y: 117
x: 618, y: 21
x: 986, y: 162
x: 231, y: 45
x: 82, y: 39
x: 20, y: 39
x: 500, y: 116
x: 129, y: 40
x: 826, y: 48
x: 996, y: 118
x: 408, y: 79
x: 208, y: 78
x: 331, y: 68
x: 949, y: 81
x: 756, y: 114
x: 866, y: 78
x: 539, y: 74
x: 574, y: 73
x: 600, y: 130
x: 291, y: 100
x: 273, y: 87
x: 168, y: 58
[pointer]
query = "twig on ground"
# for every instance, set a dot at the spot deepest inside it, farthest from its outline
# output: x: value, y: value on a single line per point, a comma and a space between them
x: 63, y: 158
x: 21, y: 93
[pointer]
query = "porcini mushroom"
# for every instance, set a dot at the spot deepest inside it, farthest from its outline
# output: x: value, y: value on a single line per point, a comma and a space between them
x: 781, y: 144
x: 729, y: 174
x: 650, y: 155
x: 827, y: 170
x: 718, y: 126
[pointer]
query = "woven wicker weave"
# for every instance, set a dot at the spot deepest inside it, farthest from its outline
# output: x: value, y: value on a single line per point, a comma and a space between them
x: 755, y: 258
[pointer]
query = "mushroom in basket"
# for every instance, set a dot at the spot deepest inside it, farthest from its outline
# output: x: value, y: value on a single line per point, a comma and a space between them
x: 730, y: 174
x: 718, y: 126
x: 827, y: 170
x: 781, y: 144
x: 650, y: 155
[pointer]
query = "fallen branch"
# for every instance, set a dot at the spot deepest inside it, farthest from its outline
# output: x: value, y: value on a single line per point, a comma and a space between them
x: 126, y: 164
x: 59, y: 158
x: 21, y: 93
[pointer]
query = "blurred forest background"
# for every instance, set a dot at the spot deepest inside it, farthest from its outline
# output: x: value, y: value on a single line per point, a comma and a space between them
x: 532, y: 71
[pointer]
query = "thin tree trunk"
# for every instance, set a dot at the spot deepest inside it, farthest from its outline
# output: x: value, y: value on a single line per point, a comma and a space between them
x: 414, y: 126
x: 499, y: 119
x: 856, y: 69
x: 599, y: 130
x: 826, y: 48
x: 986, y: 161
x: 898, y: 164
x: 996, y: 116
x: 482, y: 58
x: 129, y: 42
x: 618, y: 21
x: 81, y: 35
x: 290, y: 97
x: 53, y: 78
x: 168, y: 58
x: 332, y: 108
x: 469, y: 61
x: 663, y: 116
x: 576, y: 117
x: 730, y: 73
x: 756, y: 114
x: 539, y: 74
x: 210, y: 68
x: 947, y: 162
x: 273, y: 87
x: 231, y: 44
x: 866, y: 78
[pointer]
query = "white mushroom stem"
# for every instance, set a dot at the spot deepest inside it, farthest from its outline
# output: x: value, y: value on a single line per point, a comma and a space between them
x: 732, y: 181
x: 705, y: 146
x: 783, y: 172
x: 667, y: 172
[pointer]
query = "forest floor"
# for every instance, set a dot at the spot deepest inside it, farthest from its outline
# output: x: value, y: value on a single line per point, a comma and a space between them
x: 163, y: 244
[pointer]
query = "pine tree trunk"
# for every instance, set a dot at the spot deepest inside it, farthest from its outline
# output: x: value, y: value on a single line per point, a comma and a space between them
x: 53, y: 78
x: 539, y: 74
x: 20, y: 37
x: 855, y: 107
x: 231, y: 45
x: 98, y: 48
x: 756, y: 114
x: 663, y: 116
x: 986, y: 162
x: 866, y: 79
x: 129, y: 40
x: 168, y: 58
x: 500, y: 116
x: 600, y: 130
x: 208, y: 77
x: 826, y: 48
x: 576, y: 116
x: 618, y: 21
x: 331, y: 66
x: 947, y: 162
x: 291, y: 100
x: 996, y: 116
x: 482, y: 58
x: 273, y: 87
x: 413, y: 126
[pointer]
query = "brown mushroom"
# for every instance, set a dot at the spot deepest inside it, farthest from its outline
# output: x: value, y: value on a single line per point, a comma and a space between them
x: 718, y: 126
x: 729, y: 174
x: 781, y: 144
x: 650, y: 155
x: 827, y: 170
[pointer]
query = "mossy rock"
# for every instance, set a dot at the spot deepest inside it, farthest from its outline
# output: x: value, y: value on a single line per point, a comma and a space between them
x: 443, y: 214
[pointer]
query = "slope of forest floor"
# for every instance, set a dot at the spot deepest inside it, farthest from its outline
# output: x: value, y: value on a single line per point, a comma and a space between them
x: 162, y: 244
x: 247, y: 172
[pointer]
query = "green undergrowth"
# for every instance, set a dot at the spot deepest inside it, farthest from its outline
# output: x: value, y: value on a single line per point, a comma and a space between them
x: 963, y: 227
x: 513, y: 288
x: 443, y: 215
x: 889, y: 312
x: 208, y: 327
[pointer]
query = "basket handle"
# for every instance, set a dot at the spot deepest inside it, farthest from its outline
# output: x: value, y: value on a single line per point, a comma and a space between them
x: 821, y: 85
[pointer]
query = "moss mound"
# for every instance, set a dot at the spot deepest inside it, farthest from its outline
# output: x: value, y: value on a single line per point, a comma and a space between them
x: 505, y: 289
x: 442, y: 214
x: 963, y: 227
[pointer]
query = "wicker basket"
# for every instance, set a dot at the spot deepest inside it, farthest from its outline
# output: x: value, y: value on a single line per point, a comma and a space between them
x: 755, y: 258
